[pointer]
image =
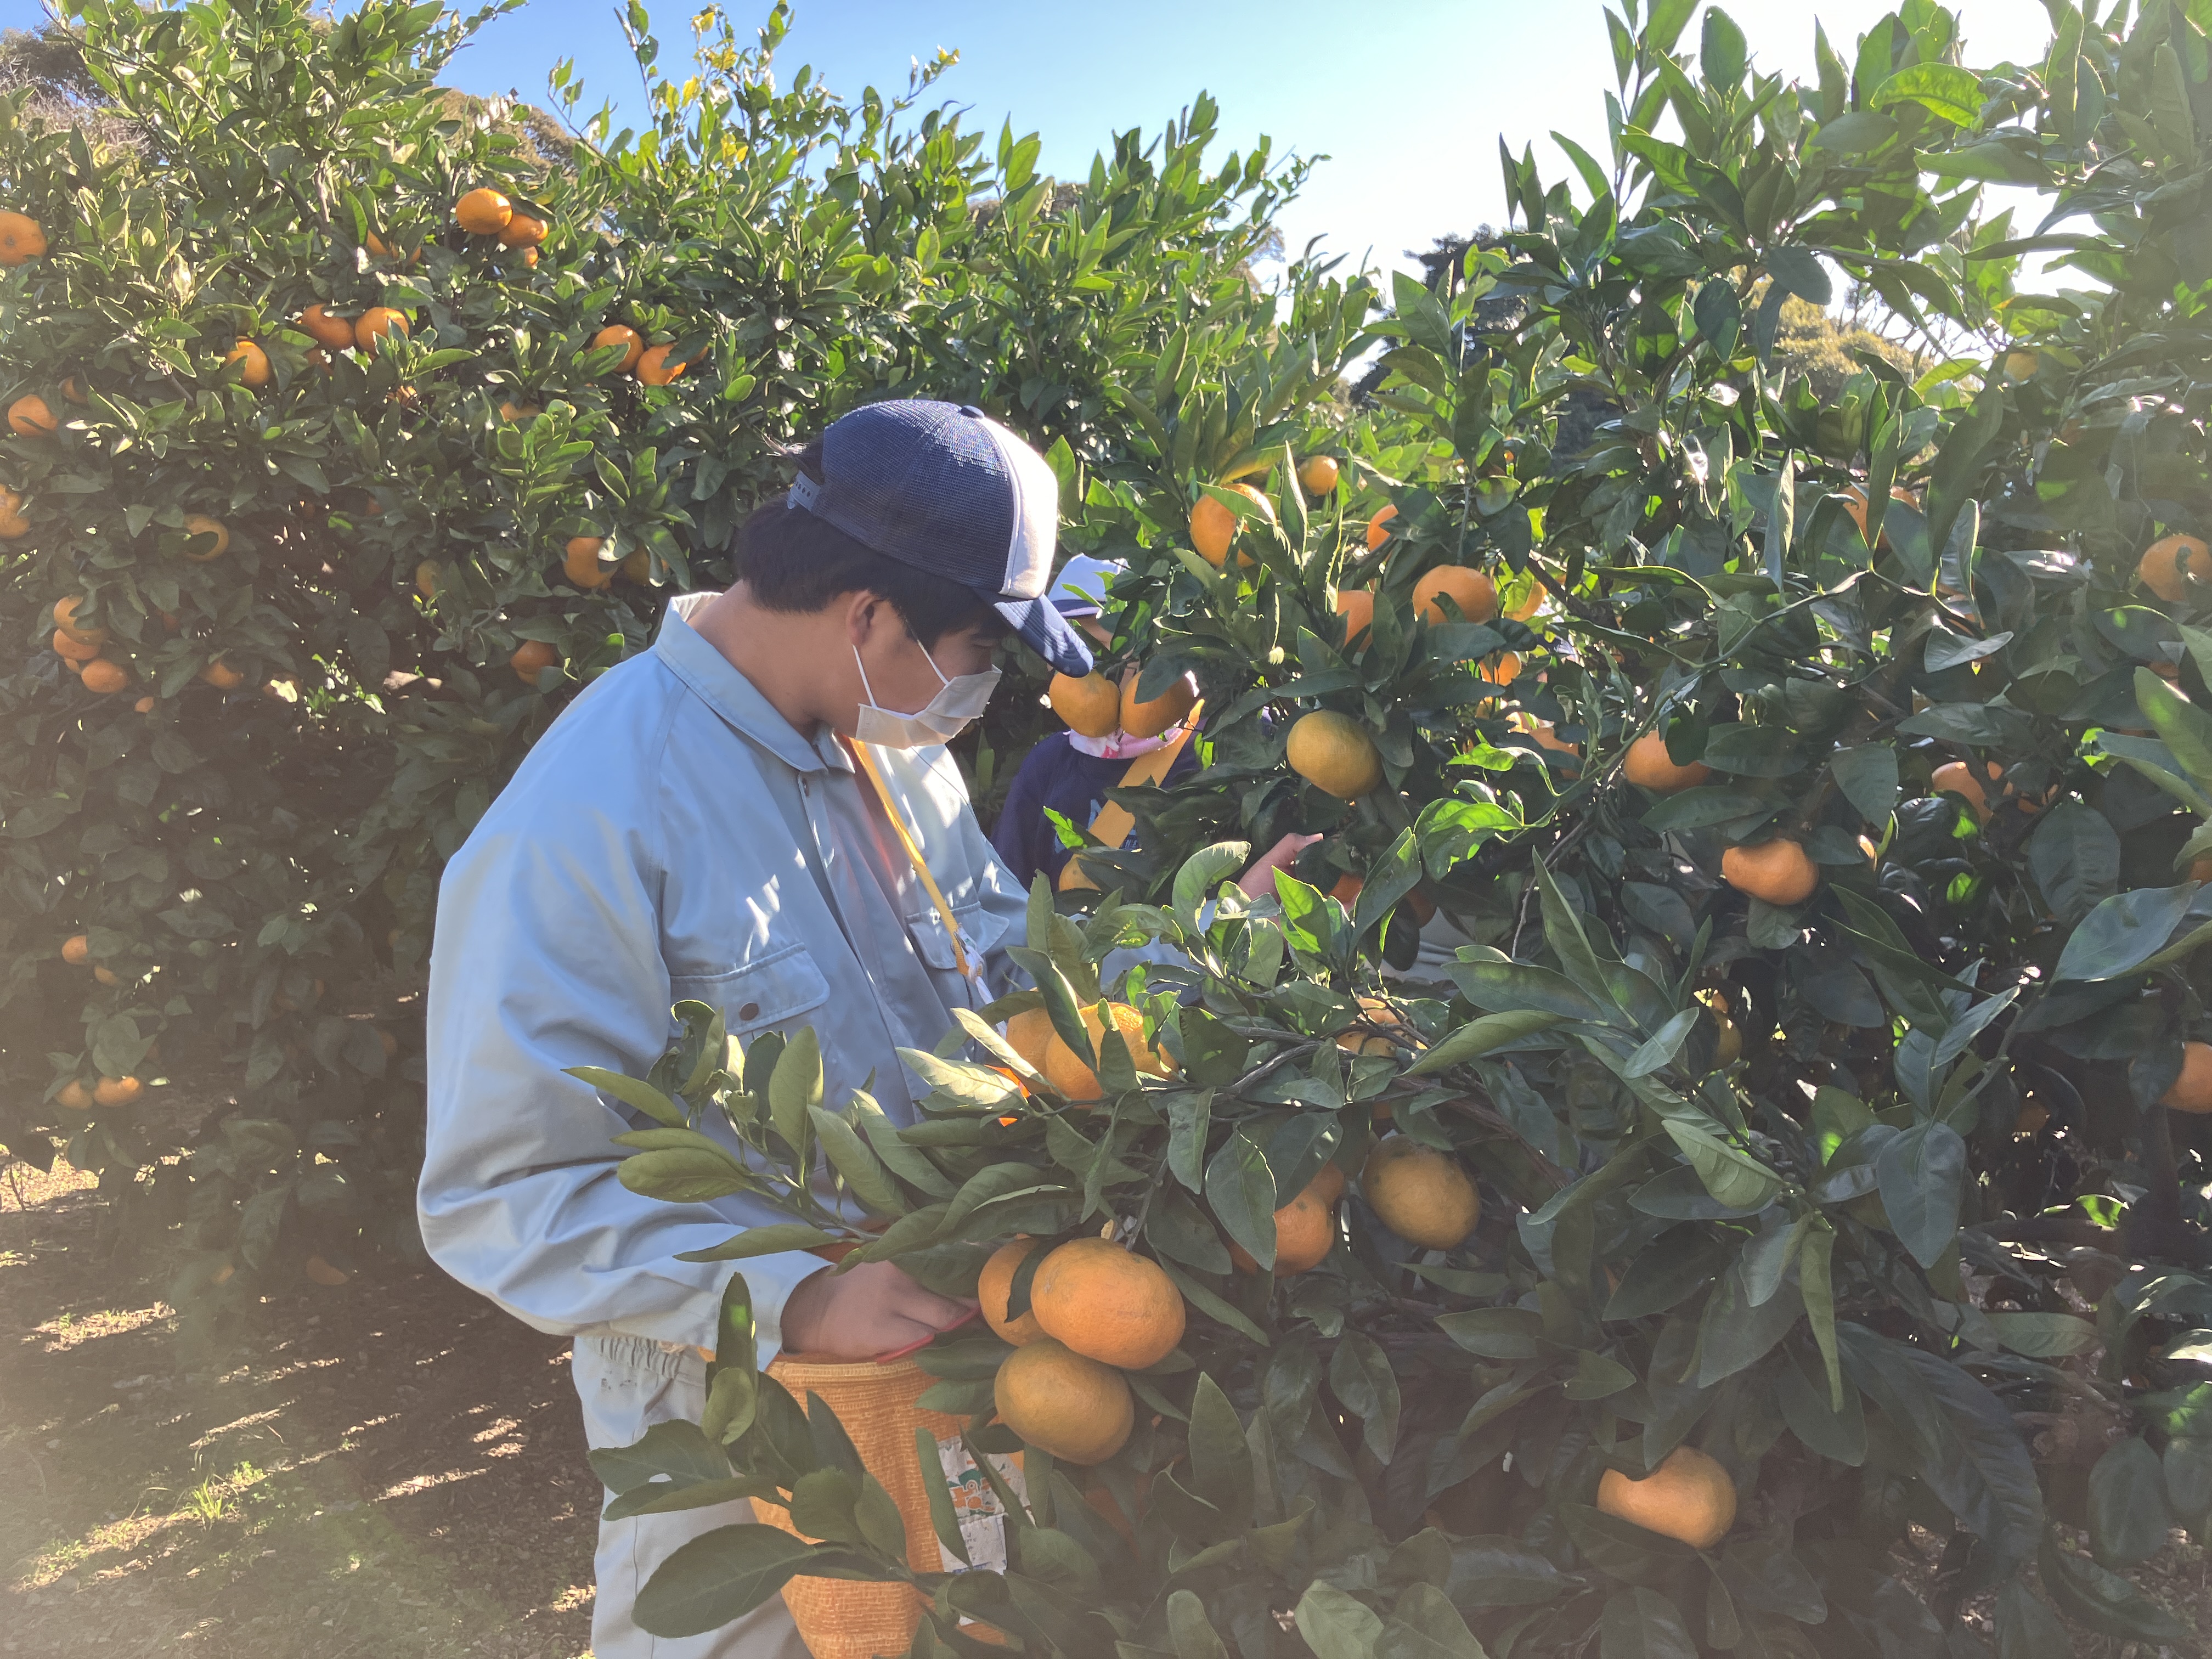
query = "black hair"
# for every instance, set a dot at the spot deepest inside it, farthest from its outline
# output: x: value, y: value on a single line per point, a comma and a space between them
x: 791, y: 561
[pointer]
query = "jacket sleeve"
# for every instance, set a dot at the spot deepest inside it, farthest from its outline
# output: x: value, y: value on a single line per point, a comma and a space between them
x: 547, y: 956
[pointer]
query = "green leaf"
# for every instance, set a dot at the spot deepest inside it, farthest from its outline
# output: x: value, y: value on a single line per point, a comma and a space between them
x: 2103, y: 1600
x: 774, y: 1239
x: 1642, y: 1623
x: 2122, y: 933
x: 1241, y: 1189
x: 1220, y: 1460
x: 1734, y: 1178
x: 795, y: 1086
x: 1481, y: 1036
x: 1944, y: 90
x: 1919, y: 1174
x: 2074, y: 858
x: 1965, y: 1444
x: 1193, y: 1636
x: 865, y: 1178
x: 631, y: 1092
x: 2043, y: 1336
x: 681, y: 1175
x: 1815, y: 1261
x: 721, y: 1575
x: 1660, y: 1047
x: 1512, y: 987
x: 1664, y: 1271
x: 1359, y: 1372
x: 1424, y: 1624
x: 2185, y: 728
x: 1336, y: 1624
x: 1203, y: 872
x: 2127, y: 1517
x: 1868, y: 777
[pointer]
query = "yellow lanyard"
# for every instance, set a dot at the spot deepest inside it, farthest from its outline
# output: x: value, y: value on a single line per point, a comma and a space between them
x: 968, y: 969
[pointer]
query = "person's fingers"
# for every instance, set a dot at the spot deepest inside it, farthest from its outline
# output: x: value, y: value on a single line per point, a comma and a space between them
x: 934, y: 1311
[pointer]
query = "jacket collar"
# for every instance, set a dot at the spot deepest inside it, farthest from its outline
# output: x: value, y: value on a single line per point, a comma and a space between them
x: 718, y: 683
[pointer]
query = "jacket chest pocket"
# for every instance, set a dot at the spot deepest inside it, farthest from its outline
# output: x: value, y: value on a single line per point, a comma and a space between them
x: 767, y: 991
x: 980, y: 930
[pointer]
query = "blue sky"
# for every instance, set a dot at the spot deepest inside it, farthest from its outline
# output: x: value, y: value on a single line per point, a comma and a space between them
x: 1406, y: 97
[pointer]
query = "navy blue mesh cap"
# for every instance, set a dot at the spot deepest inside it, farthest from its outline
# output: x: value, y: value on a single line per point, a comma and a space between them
x: 946, y: 489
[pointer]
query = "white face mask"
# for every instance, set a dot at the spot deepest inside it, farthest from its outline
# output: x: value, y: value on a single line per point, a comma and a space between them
x: 958, y: 701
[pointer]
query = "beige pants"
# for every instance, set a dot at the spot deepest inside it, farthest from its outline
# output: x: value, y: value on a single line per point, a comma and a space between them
x: 628, y: 1384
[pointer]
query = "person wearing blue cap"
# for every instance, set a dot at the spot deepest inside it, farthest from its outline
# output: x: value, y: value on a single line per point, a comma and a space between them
x: 757, y: 813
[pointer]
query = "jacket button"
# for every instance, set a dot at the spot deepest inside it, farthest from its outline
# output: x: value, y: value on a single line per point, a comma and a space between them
x: 751, y: 1010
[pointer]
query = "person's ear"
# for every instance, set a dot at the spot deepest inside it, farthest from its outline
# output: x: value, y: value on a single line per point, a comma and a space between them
x: 863, y: 612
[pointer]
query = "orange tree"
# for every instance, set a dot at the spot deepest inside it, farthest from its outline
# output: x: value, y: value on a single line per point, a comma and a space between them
x: 350, y: 432
x: 1777, y: 1215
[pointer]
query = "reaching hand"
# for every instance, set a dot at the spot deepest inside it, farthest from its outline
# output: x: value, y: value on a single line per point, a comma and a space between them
x: 1260, y: 880
x: 863, y: 1312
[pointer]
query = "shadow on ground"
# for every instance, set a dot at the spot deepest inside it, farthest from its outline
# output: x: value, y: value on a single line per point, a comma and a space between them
x: 391, y: 1466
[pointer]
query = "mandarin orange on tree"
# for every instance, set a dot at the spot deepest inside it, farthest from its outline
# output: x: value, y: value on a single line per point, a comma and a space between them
x: 1688, y: 1497
x: 1108, y: 1303
x: 29, y: 417
x: 1779, y: 872
x: 2168, y: 563
x: 993, y: 1284
x: 1475, y: 593
x: 1419, y: 1193
x: 1648, y: 765
x: 1090, y: 705
x: 1074, y: 1408
x: 484, y: 211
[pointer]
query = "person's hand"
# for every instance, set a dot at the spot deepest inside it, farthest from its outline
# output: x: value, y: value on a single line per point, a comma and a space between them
x: 1259, y: 881
x: 865, y: 1311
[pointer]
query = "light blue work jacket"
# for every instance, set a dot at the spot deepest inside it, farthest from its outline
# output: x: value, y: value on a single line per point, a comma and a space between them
x: 672, y: 838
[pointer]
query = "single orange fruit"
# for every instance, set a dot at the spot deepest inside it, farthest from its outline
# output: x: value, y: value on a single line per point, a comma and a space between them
x: 73, y: 390
x: 654, y: 368
x: 2192, y: 1090
x: 1319, y: 475
x: 1305, y: 1231
x: 521, y: 230
x: 638, y: 566
x: 1475, y: 593
x: 199, y: 524
x: 1855, y: 503
x: 1378, y: 527
x: 1108, y: 1303
x: 1090, y: 705
x: 631, y: 342
x: 1030, y: 1034
x: 1648, y: 765
x: 1079, y: 1082
x: 1419, y: 1193
x: 13, y: 524
x: 426, y: 579
x: 146, y: 704
x: 64, y: 615
x: 1074, y: 1408
x: 76, y: 950
x: 529, y: 257
x: 335, y: 333
x: 105, y: 677
x: 1688, y: 1497
x: 20, y: 238
x: 514, y: 411
x: 1346, y: 892
x: 581, y: 565
x: 1778, y: 872
x: 484, y: 211
x: 2168, y: 563
x: 75, y: 1095
x: 322, y: 1272
x: 222, y: 676
x: 1374, y: 1010
x: 1528, y: 603
x: 1213, y: 528
x: 252, y: 361
x: 71, y: 648
x: 1356, y: 606
x: 531, y: 659
x: 1328, y: 1185
x: 29, y: 417
x: 1149, y: 720
x: 117, y: 1090
x: 1547, y: 737
x: 1333, y: 752
x: 995, y: 1283
x: 377, y: 324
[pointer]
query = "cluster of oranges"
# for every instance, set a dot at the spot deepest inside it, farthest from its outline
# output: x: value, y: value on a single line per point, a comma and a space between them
x: 1030, y: 1035
x: 76, y: 950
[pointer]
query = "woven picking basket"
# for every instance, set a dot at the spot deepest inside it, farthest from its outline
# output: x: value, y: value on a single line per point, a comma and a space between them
x: 838, y: 1619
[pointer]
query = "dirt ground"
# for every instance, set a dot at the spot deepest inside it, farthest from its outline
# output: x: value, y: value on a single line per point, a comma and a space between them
x: 391, y: 1468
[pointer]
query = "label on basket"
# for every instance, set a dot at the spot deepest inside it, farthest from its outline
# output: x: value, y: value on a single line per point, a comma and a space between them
x: 982, y: 1518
